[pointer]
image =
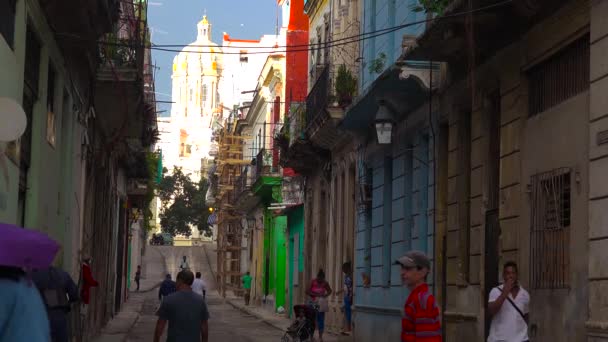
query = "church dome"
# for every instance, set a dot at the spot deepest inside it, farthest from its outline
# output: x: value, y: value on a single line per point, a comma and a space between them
x: 200, y: 54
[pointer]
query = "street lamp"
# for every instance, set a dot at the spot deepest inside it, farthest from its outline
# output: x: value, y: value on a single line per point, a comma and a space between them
x: 13, y: 120
x: 384, y: 123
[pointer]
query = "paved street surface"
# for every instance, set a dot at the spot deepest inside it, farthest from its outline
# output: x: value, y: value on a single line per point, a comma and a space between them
x: 137, y: 320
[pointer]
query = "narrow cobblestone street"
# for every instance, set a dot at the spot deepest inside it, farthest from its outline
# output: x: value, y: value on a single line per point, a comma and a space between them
x: 137, y: 320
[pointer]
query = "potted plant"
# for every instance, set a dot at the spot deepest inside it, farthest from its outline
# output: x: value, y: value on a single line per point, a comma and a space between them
x: 346, y: 86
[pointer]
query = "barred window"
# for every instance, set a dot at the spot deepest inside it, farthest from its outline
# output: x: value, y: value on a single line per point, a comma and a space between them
x: 550, y: 231
x: 564, y: 75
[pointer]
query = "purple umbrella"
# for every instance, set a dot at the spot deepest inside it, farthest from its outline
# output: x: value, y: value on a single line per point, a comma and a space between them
x: 25, y: 248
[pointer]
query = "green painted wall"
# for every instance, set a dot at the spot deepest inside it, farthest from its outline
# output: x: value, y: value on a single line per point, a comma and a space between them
x: 11, y: 85
x: 280, y: 233
x: 50, y: 197
x: 275, y: 254
x: 295, y: 222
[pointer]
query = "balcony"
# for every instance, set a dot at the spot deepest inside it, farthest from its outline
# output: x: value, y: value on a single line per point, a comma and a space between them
x: 296, y: 151
x: 243, y: 198
x: 445, y: 39
x: 123, y: 91
x: 87, y: 19
x: 267, y: 175
x: 323, y: 116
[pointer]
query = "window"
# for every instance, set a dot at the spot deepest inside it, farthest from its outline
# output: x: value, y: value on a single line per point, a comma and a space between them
x: 387, y: 214
x: 464, y: 192
x: 560, y: 77
x: 243, y: 56
x: 32, y: 61
x: 7, y: 20
x: 550, y: 229
x: 50, y: 107
x: 204, y: 94
x: 191, y: 98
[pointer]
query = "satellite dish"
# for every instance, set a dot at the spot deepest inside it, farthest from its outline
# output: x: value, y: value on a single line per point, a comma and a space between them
x: 12, y: 120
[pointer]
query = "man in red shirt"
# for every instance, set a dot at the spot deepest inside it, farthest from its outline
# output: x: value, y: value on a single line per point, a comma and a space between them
x: 420, y: 322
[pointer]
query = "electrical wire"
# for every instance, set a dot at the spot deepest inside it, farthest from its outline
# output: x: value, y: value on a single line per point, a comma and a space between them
x: 304, y: 47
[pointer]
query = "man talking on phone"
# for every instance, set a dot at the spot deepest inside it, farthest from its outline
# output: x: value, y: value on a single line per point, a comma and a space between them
x: 508, y: 305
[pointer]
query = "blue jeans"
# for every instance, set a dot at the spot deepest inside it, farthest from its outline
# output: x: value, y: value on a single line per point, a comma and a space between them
x: 348, y: 312
x: 320, y: 321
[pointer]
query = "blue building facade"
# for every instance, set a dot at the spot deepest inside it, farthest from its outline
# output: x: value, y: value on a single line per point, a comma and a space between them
x: 396, y: 181
x: 383, y: 47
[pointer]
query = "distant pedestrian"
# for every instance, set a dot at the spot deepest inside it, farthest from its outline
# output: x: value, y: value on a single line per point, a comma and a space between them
x: 58, y: 291
x: 347, y: 290
x: 167, y: 287
x: 184, y: 265
x: 318, y: 291
x: 246, y: 279
x: 198, y: 286
x: 186, y: 313
x: 87, y: 280
x: 510, y: 319
x: 421, y: 315
x: 138, y: 276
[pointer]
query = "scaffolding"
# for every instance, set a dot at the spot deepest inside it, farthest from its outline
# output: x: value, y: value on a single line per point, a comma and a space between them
x: 229, y: 162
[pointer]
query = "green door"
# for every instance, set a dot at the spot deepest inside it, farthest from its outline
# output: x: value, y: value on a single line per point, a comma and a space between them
x: 280, y: 231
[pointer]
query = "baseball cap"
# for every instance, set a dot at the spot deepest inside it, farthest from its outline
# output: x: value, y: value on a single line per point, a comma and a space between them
x: 414, y: 259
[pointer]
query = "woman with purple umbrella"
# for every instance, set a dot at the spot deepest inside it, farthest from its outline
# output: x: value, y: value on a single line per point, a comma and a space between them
x: 22, y: 312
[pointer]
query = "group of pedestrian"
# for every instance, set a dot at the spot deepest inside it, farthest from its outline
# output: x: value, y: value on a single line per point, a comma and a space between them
x: 507, y: 304
x: 183, y: 307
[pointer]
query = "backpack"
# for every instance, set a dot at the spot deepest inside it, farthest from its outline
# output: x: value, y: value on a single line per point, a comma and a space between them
x: 54, y: 298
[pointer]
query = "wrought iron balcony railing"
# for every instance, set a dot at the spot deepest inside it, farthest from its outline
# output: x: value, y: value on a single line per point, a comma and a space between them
x: 318, y: 98
x: 265, y: 164
x: 297, y: 123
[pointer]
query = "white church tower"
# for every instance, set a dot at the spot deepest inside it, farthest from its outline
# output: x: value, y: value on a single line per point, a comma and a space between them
x: 186, y: 135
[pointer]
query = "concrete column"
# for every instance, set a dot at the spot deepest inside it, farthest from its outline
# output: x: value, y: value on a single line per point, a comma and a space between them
x: 597, y: 324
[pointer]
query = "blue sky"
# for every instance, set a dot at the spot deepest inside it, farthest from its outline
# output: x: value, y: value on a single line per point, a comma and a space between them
x: 174, y: 22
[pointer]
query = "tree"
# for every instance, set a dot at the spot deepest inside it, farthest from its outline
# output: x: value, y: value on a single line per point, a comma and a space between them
x: 183, y: 204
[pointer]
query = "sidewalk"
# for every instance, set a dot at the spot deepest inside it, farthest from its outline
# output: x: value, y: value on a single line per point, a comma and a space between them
x: 280, y: 322
x: 119, y: 326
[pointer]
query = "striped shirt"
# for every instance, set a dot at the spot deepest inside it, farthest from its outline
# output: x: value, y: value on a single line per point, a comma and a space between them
x: 420, y: 322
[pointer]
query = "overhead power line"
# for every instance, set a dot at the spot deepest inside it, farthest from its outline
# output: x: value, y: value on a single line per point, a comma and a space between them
x: 308, y: 47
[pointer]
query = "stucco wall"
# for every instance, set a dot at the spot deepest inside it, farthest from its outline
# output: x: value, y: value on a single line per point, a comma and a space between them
x: 54, y: 197
x: 409, y: 227
x: 528, y: 145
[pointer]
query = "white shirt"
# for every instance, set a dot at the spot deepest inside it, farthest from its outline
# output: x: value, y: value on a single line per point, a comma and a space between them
x: 198, y: 286
x: 507, y: 324
x: 184, y: 265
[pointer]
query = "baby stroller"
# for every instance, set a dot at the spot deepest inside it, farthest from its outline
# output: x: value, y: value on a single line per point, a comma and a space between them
x: 303, y: 327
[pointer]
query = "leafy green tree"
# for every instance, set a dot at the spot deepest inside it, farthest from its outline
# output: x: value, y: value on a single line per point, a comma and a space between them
x: 183, y: 204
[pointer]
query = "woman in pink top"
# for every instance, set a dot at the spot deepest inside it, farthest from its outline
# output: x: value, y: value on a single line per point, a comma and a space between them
x: 318, y: 291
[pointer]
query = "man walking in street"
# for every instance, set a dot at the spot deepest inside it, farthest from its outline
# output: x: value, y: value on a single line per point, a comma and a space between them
x: 138, y: 276
x: 186, y: 313
x: 198, y: 286
x: 508, y: 304
x: 246, y: 279
x: 184, y: 265
x: 167, y: 287
x: 58, y: 291
x: 421, y: 315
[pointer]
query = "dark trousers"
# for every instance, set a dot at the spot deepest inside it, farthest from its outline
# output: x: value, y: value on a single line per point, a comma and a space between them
x: 247, y: 296
x: 137, y: 282
x: 59, y: 325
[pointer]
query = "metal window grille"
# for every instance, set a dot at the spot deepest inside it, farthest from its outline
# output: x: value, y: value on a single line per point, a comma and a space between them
x: 560, y: 77
x: 550, y: 230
